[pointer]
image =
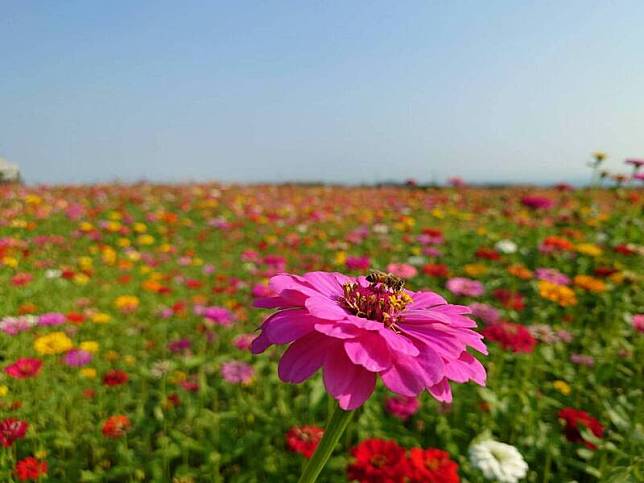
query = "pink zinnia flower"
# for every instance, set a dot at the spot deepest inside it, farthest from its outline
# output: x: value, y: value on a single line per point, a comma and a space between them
x: 357, y: 331
x: 357, y: 263
x: 402, y: 270
x: 537, y: 202
x: 218, y: 315
x: 402, y: 407
x: 552, y: 275
x: 638, y: 322
x: 52, y: 318
x: 77, y: 358
x: 23, y: 368
x: 465, y: 286
x: 237, y: 372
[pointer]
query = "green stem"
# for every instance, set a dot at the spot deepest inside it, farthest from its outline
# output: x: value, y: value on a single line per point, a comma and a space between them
x: 339, y: 421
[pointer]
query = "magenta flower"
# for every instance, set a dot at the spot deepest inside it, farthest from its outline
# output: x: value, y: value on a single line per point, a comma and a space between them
x: 537, y: 202
x: 402, y: 407
x: 77, y: 358
x: 218, y: 315
x: 52, y: 318
x: 358, y: 263
x: 356, y: 331
x: 465, y: 286
x: 638, y: 322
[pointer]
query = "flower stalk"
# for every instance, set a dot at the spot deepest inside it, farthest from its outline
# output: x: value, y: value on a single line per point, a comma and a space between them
x: 338, y: 423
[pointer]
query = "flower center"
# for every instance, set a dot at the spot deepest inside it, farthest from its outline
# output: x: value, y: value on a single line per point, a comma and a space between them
x: 375, y: 302
x: 378, y: 460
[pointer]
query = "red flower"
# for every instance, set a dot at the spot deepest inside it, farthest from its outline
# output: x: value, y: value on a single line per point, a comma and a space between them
x: 574, y: 418
x: 116, y: 426
x: 30, y: 468
x: 115, y: 377
x: 304, y: 439
x: 487, y: 254
x: 12, y: 429
x: 605, y: 271
x: 509, y: 299
x: 514, y: 337
x: 75, y: 317
x: 21, y: 279
x: 23, y: 368
x: 436, y: 270
x: 378, y: 461
x: 624, y: 249
x: 431, y: 466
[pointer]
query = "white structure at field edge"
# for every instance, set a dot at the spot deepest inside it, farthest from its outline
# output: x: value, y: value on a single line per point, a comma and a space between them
x: 8, y: 172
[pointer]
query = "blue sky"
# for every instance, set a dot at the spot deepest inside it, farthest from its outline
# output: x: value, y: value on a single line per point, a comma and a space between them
x: 356, y: 91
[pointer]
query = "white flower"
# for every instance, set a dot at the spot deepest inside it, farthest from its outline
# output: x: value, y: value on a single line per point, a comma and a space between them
x: 53, y: 273
x: 498, y: 461
x: 506, y: 246
x: 417, y: 260
x: 380, y: 228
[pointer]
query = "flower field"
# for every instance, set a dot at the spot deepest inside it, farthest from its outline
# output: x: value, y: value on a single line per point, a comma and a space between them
x: 129, y: 318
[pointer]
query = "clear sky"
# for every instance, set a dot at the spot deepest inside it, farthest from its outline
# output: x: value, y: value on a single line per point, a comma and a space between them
x: 319, y: 90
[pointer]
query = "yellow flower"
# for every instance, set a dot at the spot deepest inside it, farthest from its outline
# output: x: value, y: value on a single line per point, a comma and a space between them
x: 113, y: 226
x: 4, y: 390
x: 129, y: 360
x: 589, y: 249
x: 54, y: 343
x: 41, y: 454
x: 111, y: 356
x: 88, y: 372
x: 340, y: 258
x: 562, y: 386
x: 145, y: 240
x: 10, y: 262
x: 85, y: 262
x: 101, y: 318
x: 590, y: 283
x: 474, y: 269
x: 109, y: 256
x: 89, y: 346
x: 81, y: 279
x: 127, y: 303
x: 560, y: 294
x: 86, y: 226
x: 177, y: 376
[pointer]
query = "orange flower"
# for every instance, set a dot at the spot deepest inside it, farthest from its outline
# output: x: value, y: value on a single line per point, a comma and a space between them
x: 589, y: 283
x: 520, y: 271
